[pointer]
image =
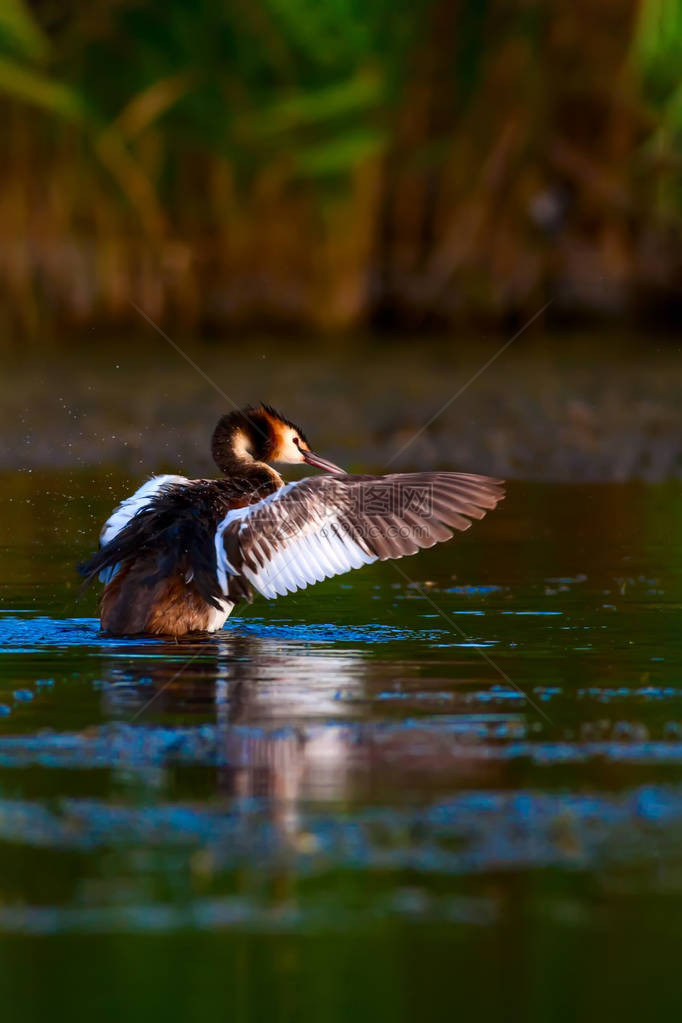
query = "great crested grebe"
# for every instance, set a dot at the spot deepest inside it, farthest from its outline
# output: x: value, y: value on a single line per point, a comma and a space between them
x: 179, y: 554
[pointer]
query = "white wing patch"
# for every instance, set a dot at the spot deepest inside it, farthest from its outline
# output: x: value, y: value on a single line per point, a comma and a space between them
x: 288, y: 561
x: 129, y: 508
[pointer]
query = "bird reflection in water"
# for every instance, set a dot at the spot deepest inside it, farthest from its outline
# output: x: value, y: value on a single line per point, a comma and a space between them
x: 282, y: 732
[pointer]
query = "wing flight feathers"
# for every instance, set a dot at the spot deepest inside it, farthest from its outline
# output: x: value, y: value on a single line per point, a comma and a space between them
x: 324, y: 526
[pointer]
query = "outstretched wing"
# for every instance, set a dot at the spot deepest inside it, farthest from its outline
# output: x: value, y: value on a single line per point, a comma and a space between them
x: 325, y: 525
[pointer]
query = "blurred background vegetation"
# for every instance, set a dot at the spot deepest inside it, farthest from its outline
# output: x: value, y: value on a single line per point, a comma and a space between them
x: 335, y: 165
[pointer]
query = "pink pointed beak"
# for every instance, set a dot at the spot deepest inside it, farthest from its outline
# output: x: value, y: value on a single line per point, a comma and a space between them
x: 320, y: 463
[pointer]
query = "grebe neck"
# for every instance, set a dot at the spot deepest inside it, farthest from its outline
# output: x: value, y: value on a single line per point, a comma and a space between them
x: 236, y: 447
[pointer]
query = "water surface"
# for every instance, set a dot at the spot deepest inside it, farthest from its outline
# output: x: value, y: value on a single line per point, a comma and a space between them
x: 446, y: 789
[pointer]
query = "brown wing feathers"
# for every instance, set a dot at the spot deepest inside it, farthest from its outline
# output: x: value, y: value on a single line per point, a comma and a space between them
x: 422, y: 508
x: 385, y: 516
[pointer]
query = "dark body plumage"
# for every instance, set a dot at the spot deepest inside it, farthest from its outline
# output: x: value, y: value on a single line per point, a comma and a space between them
x: 179, y: 554
x: 166, y: 555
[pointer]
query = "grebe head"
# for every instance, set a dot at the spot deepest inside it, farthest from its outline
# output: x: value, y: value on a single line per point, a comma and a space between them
x: 261, y: 434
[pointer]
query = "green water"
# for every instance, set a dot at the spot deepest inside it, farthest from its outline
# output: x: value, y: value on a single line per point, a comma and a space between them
x: 454, y: 791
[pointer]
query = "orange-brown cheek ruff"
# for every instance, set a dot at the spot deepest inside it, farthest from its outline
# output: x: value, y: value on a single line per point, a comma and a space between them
x: 288, y: 445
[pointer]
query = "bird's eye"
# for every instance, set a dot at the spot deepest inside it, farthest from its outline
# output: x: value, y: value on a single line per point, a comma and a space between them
x: 297, y: 441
